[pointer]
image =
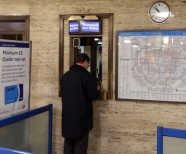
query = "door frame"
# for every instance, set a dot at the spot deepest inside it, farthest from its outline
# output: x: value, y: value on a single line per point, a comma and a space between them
x: 108, y: 16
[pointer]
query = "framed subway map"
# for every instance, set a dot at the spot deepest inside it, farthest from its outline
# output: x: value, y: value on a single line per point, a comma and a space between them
x: 151, y: 65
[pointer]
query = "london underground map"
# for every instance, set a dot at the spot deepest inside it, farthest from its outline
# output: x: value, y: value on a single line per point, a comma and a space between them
x: 152, y: 65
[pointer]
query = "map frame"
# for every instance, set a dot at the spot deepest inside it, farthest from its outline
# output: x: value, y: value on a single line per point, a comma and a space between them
x: 151, y: 65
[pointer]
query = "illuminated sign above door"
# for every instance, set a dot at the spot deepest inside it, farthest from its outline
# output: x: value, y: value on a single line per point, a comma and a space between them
x: 85, y: 27
x: 73, y: 27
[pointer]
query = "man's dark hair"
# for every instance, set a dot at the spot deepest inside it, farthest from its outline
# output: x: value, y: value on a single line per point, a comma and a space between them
x: 82, y: 58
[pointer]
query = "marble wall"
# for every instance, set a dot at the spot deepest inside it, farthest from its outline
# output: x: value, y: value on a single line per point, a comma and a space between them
x: 120, y: 127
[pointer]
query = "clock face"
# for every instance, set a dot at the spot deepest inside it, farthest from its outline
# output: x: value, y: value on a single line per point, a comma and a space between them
x: 159, y: 12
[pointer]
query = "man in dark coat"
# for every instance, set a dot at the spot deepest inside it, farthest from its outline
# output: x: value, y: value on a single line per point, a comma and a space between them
x: 78, y: 89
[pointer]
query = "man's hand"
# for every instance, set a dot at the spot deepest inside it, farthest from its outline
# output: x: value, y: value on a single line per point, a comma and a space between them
x: 98, y: 87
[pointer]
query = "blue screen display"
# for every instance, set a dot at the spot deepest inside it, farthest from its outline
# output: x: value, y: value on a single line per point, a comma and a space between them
x: 90, y: 26
x: 73, y: 26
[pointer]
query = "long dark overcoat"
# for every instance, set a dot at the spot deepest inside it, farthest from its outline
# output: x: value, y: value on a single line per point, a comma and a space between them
x: 78, y: 89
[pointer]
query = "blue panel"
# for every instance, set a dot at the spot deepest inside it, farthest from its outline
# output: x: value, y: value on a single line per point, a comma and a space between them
x: 29, y: 114
x: 73, y: 26
x: 90, y: 26
x: 178, y: 133
x: 11, y: 94
x: 170, y: 132
x: 50, y: 132
x: 14, y: 44
x: 24, y: 115
x: 10, y: 151
x: 159, y: 140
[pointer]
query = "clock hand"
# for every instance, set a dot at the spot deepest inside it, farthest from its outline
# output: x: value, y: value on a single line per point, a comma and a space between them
x: 156, y: 9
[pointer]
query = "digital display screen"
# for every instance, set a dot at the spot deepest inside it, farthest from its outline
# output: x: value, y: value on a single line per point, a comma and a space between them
x: 90, y: 26
x: 85, y: 27
x: 73, y: 26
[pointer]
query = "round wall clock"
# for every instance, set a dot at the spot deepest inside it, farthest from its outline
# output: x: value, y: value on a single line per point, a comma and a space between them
x: 159, y: 12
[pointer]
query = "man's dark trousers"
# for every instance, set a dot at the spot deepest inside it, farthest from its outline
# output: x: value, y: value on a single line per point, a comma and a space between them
x: 76, y: 145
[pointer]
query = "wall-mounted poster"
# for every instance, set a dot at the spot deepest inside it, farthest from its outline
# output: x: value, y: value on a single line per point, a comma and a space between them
x: 151, y: 65
x: 14, y: 77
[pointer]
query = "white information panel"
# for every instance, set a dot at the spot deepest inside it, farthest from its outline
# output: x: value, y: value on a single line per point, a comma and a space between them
x: 151, y: 65
x: 15, y: 77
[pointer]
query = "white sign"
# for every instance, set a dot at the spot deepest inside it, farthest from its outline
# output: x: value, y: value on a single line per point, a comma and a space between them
x: 14, y: 77
x: 152, y: 65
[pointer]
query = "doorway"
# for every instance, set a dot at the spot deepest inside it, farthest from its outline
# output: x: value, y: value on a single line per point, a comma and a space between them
x: 92, y: 46
x: 107, y: 75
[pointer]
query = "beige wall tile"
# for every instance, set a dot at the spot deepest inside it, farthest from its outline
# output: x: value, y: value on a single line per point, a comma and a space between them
x: 119, y: 126
x: 14, y: 9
